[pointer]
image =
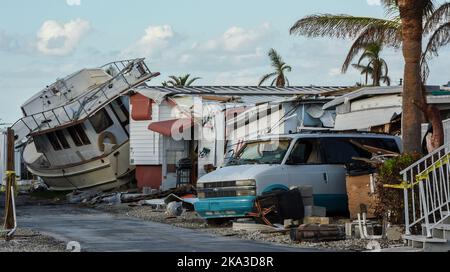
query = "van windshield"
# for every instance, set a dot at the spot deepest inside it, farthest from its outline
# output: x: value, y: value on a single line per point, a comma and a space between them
x: 261, y: 152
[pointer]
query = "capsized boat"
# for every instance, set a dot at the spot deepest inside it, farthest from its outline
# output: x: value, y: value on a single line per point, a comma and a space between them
x: 75, y: 132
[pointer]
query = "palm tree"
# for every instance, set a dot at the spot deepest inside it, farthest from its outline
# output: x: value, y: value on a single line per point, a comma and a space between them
x: 181, y: 81
x: 408, y: 22
x: 280, y: 80
x: 376, y: 66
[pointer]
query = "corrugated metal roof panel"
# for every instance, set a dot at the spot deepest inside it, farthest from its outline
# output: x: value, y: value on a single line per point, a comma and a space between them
x: 249, y: 90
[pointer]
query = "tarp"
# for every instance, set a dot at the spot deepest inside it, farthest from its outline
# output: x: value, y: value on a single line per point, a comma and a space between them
x: 366, y: 119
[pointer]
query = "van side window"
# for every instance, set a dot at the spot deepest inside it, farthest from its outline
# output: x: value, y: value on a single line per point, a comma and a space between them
x: 386, y: 144
x: 341, y: 151
x: 306, y: 151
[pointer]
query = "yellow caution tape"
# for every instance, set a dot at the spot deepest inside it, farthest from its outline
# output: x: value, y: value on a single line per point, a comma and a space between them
x: 424, y: 175
x: 403, y: 185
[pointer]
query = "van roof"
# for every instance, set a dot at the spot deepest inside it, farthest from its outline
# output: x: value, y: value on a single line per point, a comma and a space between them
x: 328, y: 135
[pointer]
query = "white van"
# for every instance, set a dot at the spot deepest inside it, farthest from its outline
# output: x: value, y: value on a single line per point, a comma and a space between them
x: 281, y: 162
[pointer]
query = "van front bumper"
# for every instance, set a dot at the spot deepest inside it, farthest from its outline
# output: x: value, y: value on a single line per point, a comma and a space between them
x: 226, y: 207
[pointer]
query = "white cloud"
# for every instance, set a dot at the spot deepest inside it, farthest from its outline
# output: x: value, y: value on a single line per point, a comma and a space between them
x: 374, y: 2
x: 155, y: 39
x: 58, y: 39
x: 73, y: 2
x: 236, y: 39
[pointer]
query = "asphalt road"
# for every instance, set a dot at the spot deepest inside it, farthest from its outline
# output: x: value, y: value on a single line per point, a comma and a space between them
x: 99, y: 231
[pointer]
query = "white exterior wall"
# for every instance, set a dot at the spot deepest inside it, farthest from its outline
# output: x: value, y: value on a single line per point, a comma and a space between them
x: 2, y: 157
x: 145, y: 145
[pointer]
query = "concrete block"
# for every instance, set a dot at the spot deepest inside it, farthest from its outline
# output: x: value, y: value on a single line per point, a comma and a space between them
x: 305, y: 190
x: 308, y: 201
x: 316, y: 220
x: 315, y: 211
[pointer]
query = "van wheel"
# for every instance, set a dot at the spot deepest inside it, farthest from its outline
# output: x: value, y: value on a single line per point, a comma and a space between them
x: 216, y: 222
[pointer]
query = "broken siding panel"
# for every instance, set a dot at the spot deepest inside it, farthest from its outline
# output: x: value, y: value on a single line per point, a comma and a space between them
x: 145, y: 145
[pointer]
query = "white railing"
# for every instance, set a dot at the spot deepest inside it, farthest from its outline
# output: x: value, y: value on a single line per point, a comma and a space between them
x: 426, y: 186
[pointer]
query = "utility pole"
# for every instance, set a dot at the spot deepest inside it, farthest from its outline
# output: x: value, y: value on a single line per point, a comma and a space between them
x: 10, y: 217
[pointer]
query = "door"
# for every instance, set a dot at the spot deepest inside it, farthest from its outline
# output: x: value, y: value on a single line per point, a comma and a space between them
x: 173, y: 152
x: 304, y: 166
x: 338, y: 152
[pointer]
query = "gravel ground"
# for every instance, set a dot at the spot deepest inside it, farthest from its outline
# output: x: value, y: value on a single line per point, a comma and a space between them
x: 192, y: 221
x: 31, y: 241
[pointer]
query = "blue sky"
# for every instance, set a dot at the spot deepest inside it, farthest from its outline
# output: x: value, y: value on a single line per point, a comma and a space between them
x: 223, y: 42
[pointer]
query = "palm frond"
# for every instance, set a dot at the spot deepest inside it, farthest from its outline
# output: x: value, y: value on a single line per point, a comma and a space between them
x: 189, y: 83
x: 339, y: 26
x: 386, y: 80
x: 274, y: 81
x: 275, y: 59
x: 363, y: 68
x: 287, y: 81
x: 440, y: 15
x: 384, y: 67
x: 440, y: 38
x: 265, y: 77
x: 287, y: 68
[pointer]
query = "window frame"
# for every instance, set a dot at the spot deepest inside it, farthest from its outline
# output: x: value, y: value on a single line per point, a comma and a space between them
x: 102, y: 128
x: 320, y: 151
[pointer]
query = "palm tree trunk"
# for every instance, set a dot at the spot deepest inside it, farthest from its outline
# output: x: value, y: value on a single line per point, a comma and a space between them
x: 280, y: 82
x: 411, y: 12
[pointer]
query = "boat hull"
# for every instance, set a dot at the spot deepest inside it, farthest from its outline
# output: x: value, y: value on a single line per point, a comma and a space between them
x: 103, y: 174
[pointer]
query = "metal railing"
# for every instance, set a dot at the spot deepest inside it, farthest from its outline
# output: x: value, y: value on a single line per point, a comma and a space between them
x: 426, y: 186
x: 125, y: 75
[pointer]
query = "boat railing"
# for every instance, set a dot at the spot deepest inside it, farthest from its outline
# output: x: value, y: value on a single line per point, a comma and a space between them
x: 125, y: 74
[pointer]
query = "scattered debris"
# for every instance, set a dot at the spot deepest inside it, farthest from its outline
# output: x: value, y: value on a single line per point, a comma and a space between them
x: 394, y: 233
x: 318, y: 233
x: 253, y: 227
x: 316, y: 220
x: 361, y: 194
x: 174, y: 209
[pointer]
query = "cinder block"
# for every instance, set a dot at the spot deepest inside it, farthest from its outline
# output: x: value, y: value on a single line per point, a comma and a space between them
x: 308, y: 201
x: 315, y: 211
x: 305, y: 190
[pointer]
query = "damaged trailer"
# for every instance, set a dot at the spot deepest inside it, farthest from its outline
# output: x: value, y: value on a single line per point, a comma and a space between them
x: 180, y: 134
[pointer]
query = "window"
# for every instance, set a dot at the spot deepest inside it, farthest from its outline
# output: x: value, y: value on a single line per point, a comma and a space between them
x: 101, y: 121
x: 78, y: 135
x: 341, y: 151
x: 54, y: 141
x: 386, y: 144
x: 306, y: 151
x: 120, y: 110
x: 262, y: 152
x: 40, y: 144
x: 62, y: 139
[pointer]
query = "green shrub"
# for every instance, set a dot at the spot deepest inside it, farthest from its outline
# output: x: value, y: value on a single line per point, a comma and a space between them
x: 392, y: 200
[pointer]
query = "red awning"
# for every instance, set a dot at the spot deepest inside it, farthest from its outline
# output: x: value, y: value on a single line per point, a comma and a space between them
x: 141, y: 108
x: 168, y: 127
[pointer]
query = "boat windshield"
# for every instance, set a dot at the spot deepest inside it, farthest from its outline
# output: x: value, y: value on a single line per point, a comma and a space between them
x: 261, y: 152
